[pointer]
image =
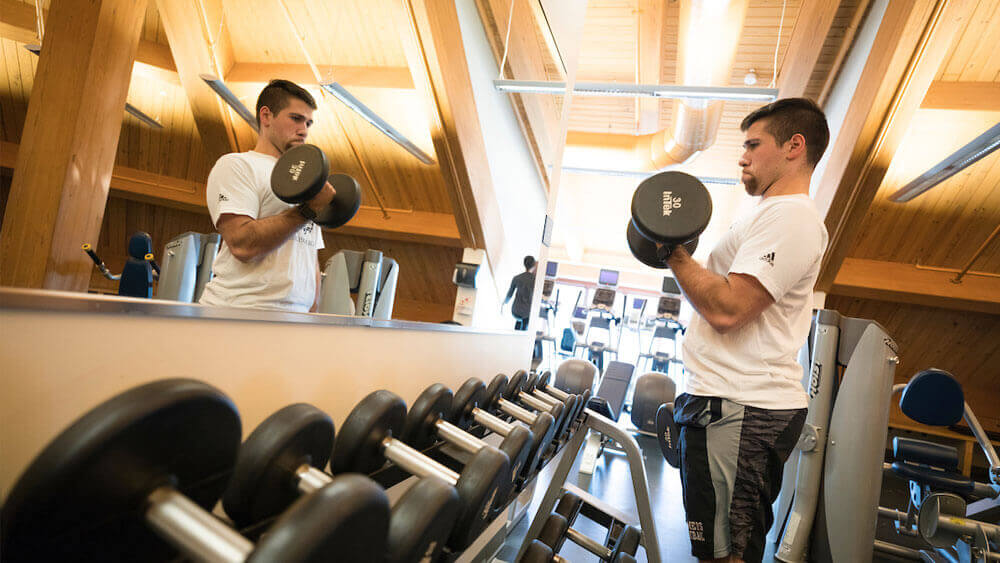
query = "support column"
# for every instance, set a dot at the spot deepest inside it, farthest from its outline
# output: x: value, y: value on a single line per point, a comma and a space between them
x: 69, y: 142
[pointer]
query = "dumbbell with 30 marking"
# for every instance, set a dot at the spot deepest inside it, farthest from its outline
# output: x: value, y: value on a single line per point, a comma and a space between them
x: 283, y: 460
x: 669, y: 209
x: 134, y: 479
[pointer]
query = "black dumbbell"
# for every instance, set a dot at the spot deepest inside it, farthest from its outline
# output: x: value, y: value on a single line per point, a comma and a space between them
x: 301, y: 173
x: 282, y: 460
x: 428, y: 416
x: 134, y: 479
x: 668, y: 209
x: 367, y: 440
x: 668, y: 434
x: 515, y: 393
x: 466, y: 409
x: 572, y: 404
x: 541, y: 423
x: 543, y: 388
x: 557, y: 529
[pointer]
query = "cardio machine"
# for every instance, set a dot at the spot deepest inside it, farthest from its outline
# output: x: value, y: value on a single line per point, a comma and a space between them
x: 600, y: 315
x: 548, y: 309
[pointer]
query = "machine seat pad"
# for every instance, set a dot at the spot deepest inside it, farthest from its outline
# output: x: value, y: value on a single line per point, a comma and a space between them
x: 601, y: 406
x: 938, y: 481
x: 933, y: 397
x: 925, y: 453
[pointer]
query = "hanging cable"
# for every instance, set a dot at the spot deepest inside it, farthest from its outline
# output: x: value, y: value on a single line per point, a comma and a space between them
x: 39, y: 20
x: 336, y: 115
x: 506, y: 41
x: 777, y: 44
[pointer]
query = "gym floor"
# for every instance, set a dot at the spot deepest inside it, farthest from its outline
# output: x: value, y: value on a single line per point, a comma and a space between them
x: 611, y: 482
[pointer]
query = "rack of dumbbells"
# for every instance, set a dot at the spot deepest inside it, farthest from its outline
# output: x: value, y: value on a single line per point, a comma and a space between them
x: 552, y: 524
x: 620, y: 542
x: 137, y: 477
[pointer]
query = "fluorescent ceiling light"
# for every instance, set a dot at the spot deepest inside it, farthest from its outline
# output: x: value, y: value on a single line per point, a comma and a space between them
x: 227, y: 95
x: 341, y: 93
x: 644, y: 175
x: 138, y: 113
x: 623, y: 90
x: 960, y: 159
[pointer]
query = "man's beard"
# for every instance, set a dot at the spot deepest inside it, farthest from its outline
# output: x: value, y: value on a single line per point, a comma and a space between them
x: 751, y: 185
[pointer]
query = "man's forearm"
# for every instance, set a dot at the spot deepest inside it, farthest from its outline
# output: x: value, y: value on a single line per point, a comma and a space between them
x: 708, y: 292
x: 256, y: 237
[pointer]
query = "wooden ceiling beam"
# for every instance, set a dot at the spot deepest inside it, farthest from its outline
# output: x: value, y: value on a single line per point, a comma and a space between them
x: 650, y: 57
x: 359, y: 76
x: 17, y: 22
x: 906, y: 283
x: 912, y: 40
x: 435, y: 55
x: 177, y: 193
x: 811, y: 28
x: 965, y: 96
x: 196, y: 53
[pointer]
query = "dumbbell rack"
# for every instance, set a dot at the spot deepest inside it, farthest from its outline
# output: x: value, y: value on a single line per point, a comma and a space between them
x: 602, y: 425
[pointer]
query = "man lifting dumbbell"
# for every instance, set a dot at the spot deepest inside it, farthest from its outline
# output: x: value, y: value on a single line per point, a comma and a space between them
x: 267, y: 221
x: 744, y: 405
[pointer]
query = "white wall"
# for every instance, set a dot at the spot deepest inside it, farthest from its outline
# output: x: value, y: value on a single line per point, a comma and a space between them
x: 55, y: 366
x: 519, y: 191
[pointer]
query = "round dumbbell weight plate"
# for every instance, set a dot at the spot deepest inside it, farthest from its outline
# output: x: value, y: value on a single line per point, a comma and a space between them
x: 628, y: 542
x: 643, y: 249
x: 529, y: 385
x: 345, y: 203
x: 358, y: 448
x: 88, y: 487
x: 478, y: 488
x: 671, y: 207
x: 422, y: 520
x: 553, y: 530
x: 261, y: 485
x: 493, y: 392
x: 515, y: 385
x: 299, y: 174
x: 468, y: 397
x: 347, y: 520
x: 420, y: 430
x: 569, y: 506
x: 537, y: 552
x: 668, y: 435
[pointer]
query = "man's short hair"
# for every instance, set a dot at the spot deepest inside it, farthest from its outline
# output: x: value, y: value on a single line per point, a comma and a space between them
x: 788, y: 116
x: 529, y: 261
x: 276, y: 96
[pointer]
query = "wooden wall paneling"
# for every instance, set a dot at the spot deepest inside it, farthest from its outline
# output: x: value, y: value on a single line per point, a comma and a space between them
x: 760, y: 33
x: 60, y: 184
x: 19, y: 70
x: 973, y: 57
x: 845, y: 25
x: 366, y: 77
x: 965, y: 344
x: 907, y: 52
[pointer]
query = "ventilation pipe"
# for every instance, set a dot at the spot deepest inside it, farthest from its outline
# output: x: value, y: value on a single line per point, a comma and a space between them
x: 709, y: 34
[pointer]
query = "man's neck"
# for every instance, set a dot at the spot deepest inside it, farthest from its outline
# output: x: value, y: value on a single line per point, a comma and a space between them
x: 790, y: 184
x: 264, y: 146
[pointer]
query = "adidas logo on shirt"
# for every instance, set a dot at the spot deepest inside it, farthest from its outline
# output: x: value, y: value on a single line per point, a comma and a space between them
x: 769, y: 258
x: 222, y: 197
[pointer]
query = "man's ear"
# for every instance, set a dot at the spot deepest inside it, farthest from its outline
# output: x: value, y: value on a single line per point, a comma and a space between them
x: 265, y: 115
x: 796, y: 146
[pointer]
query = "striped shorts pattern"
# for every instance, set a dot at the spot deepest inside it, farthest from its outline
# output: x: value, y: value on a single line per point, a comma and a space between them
x: 732, y: 457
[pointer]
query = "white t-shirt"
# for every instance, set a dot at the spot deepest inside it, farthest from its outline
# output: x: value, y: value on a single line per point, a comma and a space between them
x: 780, y: 243
x: 283, y: 279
